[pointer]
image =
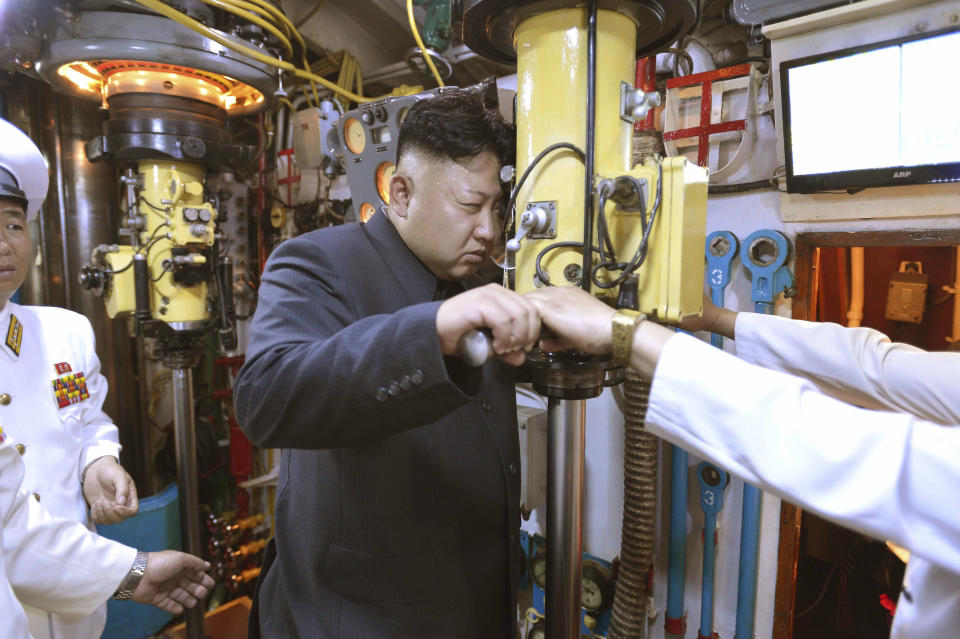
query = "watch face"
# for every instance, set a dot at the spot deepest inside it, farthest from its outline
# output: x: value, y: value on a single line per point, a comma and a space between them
x: 354, y: 135
x: 539, y: 571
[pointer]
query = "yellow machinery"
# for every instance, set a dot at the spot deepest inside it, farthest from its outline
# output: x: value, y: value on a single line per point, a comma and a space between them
x: 551, y: 104
x: 585, y: 216
x: 174, y: 247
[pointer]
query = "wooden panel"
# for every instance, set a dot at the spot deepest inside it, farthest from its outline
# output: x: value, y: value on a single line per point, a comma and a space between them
x: 807, y: 270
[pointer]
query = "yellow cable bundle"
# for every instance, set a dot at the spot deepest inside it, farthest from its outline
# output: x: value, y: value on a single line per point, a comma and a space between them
x: 423, y: 49
x: 182, y: 19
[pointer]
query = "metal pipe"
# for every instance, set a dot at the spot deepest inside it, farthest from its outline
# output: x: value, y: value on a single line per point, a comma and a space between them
x: 61, y: 191
x: 589, y: 149
x: 855, y: 312
x: 646, y: 80
x: 565, y: 455
x: 674, y: 621
x: 709, y: 566
x: 749, y: 544
x: 749, y: 562
x: 185, y: 444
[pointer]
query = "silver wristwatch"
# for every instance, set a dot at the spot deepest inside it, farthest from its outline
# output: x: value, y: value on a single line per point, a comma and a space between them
x: 132, y: 580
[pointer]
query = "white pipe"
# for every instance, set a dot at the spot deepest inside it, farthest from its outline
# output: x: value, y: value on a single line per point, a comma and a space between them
x: 855, y: 312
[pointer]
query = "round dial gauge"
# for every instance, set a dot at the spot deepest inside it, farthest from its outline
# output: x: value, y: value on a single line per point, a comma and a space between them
x: 354, y: 135
x: 590, y: 594
x: 595, y: 588
x: 384, y: 172
x: 366, y: 211
x: 539, y: 570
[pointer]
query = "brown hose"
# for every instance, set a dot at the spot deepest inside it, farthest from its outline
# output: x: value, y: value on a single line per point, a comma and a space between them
x: 639, y: 510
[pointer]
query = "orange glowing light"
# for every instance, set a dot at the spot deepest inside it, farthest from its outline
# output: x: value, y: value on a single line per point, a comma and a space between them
x: 111, y: 77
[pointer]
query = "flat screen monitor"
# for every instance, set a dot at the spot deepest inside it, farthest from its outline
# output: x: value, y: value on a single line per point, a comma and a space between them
x: 880, y: 115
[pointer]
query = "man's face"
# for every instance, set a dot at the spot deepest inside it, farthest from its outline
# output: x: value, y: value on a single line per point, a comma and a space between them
x: 15, y: 248
x: 447, y: 211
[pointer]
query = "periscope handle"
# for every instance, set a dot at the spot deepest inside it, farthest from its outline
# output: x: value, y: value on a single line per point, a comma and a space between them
x: 475, y: 347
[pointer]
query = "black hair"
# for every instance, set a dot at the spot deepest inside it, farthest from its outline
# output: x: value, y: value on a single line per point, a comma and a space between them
x: 454, y: 125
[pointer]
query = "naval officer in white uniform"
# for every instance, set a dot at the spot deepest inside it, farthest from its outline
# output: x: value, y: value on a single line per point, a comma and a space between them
x: 51, y: 389
x: 56, y: 564
x: 840, y: 421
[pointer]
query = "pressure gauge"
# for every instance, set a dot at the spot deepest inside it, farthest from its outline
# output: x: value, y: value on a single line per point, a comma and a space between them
x: 596, y: 590
x: 385, y: 171
x: 354, y: 135
x: 190, y: 214
x: 538, y: 569
x: 278, y: 216
x: 204, y: 215
x: 366, y: 212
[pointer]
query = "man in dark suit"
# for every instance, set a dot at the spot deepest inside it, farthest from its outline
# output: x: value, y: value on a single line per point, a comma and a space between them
x: 398, y: 505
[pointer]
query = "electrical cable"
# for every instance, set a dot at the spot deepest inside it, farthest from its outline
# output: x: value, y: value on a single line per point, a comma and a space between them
x: 526, y: 172
x: 219, y: 38
x: 156, y: 208
x: 302, y: 21
x: 423, y: 48
x: 641, y: 254
x: 588, y: 189
x: 823, y: 592
x: 234, y: 7
x: 540, y: 272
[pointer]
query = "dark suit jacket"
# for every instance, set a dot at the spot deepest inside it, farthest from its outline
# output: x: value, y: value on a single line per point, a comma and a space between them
x: 398, y: 503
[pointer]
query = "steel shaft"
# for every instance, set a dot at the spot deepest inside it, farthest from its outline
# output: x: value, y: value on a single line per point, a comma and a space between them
x: 186, y: 447
x: 565, y: 454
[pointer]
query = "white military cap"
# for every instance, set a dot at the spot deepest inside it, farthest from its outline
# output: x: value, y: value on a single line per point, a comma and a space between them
x: 23, y: 171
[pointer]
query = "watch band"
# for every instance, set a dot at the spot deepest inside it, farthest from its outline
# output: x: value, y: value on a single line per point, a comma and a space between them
x: 625, y: 323
x: 132, y: 580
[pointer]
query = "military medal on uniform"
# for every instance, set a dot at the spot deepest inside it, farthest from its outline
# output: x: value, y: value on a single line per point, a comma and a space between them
x: 69, y: 388
x: 14, y: 335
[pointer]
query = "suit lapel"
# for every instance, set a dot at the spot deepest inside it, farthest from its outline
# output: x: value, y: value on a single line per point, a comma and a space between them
x: 417, y: 282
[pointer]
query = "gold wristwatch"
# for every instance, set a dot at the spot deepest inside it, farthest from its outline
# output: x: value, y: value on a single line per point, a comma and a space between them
x: 625, y: 323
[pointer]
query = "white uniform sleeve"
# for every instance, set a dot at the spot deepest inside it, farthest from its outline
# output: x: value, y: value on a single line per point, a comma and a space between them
x: 100, y: 435
x: 859, y: 365
x: 54, y: 564
x: 889, y: 475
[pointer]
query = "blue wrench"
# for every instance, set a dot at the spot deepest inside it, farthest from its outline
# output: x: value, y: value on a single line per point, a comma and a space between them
x: 722, y: 248
x: 713, y: 481
x: 766, y: 256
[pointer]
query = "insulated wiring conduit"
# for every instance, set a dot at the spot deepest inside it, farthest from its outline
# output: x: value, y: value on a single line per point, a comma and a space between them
x: 221, y: 39
x: 629, y: 619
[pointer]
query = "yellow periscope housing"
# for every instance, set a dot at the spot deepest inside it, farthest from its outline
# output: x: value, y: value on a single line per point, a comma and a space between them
x: 179, y: 229
x: 551, y: 106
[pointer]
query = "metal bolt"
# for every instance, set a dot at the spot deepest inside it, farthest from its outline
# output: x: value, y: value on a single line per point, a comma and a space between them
x: 954, y: 18
x: 572, y: 272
